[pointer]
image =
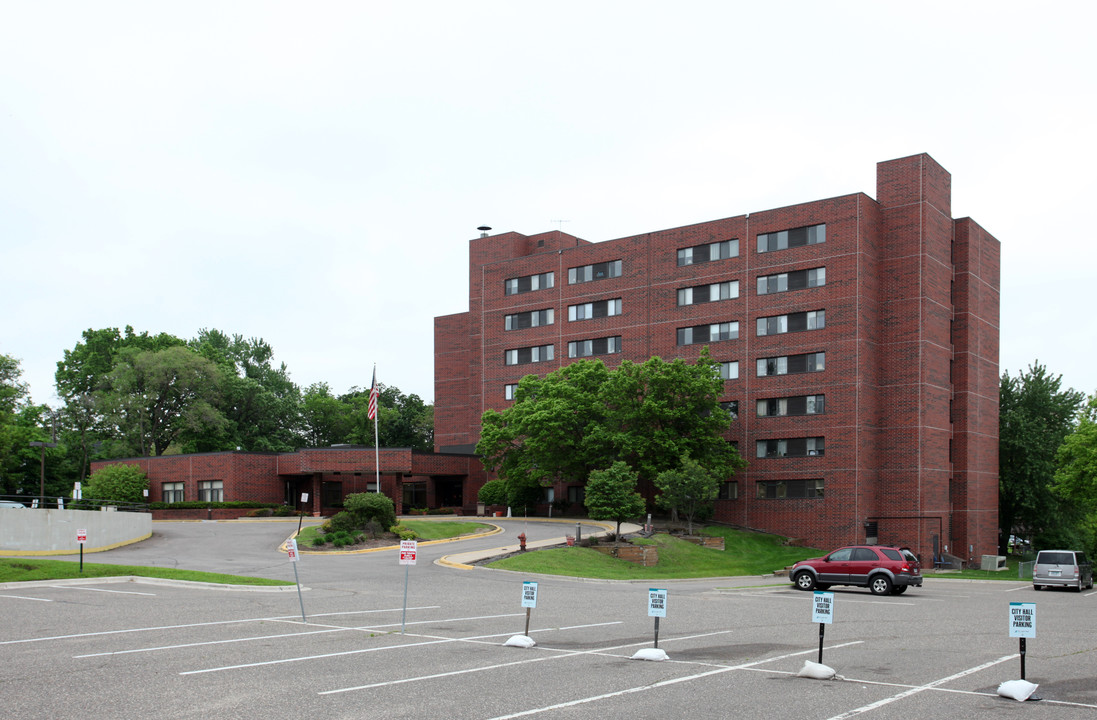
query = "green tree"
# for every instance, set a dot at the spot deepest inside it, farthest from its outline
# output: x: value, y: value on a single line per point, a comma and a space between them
x: 583, y: 417
x: 1076, y: 476
x: 493, y: 492
x: 689, y: 489
x: 611, y: 495
x: 157, y: 398
x: 118, y: 483
x: 326, y: 419
x: 402, y: 420
x: 1035, y: 416
x: 371, y: 506
x: 259, y: 401
x: 21, y: 423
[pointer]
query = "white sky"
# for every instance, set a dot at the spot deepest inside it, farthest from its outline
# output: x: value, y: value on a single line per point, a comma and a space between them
x: 311, y: 173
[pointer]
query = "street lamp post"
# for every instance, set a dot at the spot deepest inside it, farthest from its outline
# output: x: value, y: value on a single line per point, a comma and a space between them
x: 42, y: 481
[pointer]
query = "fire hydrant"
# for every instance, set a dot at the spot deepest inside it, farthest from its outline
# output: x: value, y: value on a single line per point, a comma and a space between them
x: 522, y: 542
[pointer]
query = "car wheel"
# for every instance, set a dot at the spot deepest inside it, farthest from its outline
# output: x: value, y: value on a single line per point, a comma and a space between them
x: 1035, y: 586
x: 805, y: 580
x: 899, y: 589
x: 1079, y: 588
x: 880, y: 585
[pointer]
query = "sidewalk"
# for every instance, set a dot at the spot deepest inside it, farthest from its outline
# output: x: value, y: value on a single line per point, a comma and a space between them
x: 465, y: 560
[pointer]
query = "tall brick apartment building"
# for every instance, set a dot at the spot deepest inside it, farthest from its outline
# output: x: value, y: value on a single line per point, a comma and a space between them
x: 859, y: 341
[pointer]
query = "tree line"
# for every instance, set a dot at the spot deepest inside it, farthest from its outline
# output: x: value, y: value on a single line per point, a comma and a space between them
x: 130, y: 394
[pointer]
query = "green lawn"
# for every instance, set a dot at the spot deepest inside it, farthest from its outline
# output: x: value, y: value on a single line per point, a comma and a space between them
x: 746, y: 553
x: 26, y: 569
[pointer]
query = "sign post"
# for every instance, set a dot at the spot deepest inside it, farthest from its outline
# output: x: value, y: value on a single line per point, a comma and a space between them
x: 822, y: 612
x: 291, y: 551
x: 657, y: 608
x: 81, y: 537
x: 529, y: 599
x: 408, y: 551
x: 1022, y: 624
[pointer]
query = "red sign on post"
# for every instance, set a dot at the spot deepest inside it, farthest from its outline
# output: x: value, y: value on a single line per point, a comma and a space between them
x: 81, y: 536
x: 408, y: 549
x: 291, y: 549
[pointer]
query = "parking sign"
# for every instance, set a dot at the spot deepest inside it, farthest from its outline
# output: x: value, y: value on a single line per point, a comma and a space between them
x: 408, y: 549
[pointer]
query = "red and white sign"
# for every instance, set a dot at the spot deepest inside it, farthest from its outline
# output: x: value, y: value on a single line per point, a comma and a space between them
x: 291, y: 549
x: 81, y: 536
x: 408, y: 549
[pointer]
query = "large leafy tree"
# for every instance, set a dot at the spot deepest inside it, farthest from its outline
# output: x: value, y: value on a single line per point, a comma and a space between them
x: 157, y: 398
x: 584, y: 417
x: 1076, y: 476
x: 258, y: 399
x: 402, y: 420
x: 21, y: 422
x: 1035, y: 416
x: 326, y: 419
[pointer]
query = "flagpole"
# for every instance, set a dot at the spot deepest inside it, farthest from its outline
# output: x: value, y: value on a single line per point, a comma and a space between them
x: 376, y: 455
x: 374, y: 401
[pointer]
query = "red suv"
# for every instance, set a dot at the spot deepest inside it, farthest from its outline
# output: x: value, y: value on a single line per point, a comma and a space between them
x: 883, y: 570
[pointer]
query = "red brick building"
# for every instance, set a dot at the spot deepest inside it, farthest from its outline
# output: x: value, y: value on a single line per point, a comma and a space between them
x: 410, y: 477
x: 859, y: 339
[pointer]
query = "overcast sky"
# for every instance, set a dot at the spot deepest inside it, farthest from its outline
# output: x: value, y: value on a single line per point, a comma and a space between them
x: 311, y: 173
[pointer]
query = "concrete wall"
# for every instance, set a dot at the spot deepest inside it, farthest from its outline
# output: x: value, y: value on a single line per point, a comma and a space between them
x: 53, y: 532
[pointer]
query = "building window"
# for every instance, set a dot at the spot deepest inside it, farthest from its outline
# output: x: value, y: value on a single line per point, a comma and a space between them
x: 529, y: 283
x: 597, y: 271
x: 708, y: 253
x: 729, y: 370
x: 171, y: 492
x: 796, y: 280
x: 708, y: 293
x: 708, y: 333
x: 792, y: 238
x: 789, y: 489
x: 600, y: 346
x: 799, y: 405
x: 533, y: 318
x: 576, y: 494
x: 602, y: 308
x: 792, y: 364
x: 731, y: 407
x: 509, y: 390
x: 211, y: 491
x: 729, y: 490
x: 793, y: 322
x: 524, y: 356
x: 791, y: 447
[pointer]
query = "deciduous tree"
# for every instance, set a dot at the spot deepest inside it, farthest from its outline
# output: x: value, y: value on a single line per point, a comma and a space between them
x: 611, y: 495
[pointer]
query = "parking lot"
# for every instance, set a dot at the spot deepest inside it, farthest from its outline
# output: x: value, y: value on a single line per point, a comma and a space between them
x: 136, y: 650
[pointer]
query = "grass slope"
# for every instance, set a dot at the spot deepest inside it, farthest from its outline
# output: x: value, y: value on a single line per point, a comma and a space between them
x: 426, y: 529
x: 26, y: 569
x: 746, y: 553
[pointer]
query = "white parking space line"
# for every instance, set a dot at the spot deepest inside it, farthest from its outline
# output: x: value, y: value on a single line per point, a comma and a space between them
x: 91, y: 589
x: 559, y: 654
x: 211, y: 642
x: 664, y: 683
x: 201, y: 624
x: 20, y: 597
x: 921, y: 688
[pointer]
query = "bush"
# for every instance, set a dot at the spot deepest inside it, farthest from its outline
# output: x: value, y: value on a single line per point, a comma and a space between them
x: 341, y: 522
x: 319, y: 540
x: 202, y: 505
x: 283, y: 511
x: 260, y: 512
x: 494, y: 492
x: 371, y: 506
x: 117, y: 483
x: 404, y: 532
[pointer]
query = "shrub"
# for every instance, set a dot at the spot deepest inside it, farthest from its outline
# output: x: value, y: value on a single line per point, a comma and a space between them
x: 494, y: 492
x: 260, y: 512
x: 373, y: 529
x: 319, y: 540
x: 283, y: 511
x: 404, y: 532
x: 371, y: 506
x: 118, y: 483
x: 340, y: 522
x: 441, y: 511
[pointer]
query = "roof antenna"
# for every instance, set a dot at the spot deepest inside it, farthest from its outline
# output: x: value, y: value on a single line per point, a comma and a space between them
x: 483, y: 230
x: 560, y: 224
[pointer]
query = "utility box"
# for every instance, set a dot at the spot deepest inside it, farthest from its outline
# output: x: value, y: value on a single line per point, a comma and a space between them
x: 993, y: 562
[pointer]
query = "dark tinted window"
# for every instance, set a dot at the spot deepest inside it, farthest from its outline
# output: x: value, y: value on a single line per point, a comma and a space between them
x: 1055, y: 558
x: 891, y: 554
x: 863, y: 554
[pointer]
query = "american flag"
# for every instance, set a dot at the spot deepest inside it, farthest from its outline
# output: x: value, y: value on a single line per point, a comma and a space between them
x: 373, y: 393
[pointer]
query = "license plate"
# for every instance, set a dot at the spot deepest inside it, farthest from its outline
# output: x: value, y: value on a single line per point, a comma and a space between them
x: 1054, y: 573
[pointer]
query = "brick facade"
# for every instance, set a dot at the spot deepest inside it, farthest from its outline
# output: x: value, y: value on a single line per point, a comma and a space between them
x: 911, y: 300
x: 327, y: 475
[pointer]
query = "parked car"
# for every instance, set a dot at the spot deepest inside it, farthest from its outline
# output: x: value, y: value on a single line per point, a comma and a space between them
x: 1063, y: 568
x: 11, y: 504
x: 882, y: 569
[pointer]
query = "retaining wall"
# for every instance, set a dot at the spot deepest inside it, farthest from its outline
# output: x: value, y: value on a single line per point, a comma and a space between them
x: 53, y: 532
